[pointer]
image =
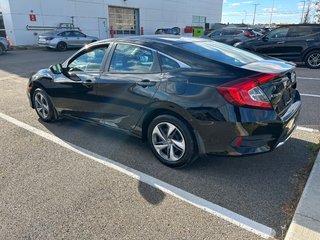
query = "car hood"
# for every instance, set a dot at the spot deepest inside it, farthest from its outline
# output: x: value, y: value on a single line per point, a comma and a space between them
x: 269, y: 66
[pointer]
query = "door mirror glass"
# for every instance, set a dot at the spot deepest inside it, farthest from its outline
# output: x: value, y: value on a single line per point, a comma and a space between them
x: 56, y: 69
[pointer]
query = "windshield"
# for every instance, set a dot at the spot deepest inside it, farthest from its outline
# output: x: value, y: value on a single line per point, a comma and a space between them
x: 221, y: 52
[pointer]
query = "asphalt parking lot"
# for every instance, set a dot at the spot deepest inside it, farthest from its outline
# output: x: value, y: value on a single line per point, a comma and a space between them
x: 49, y: 191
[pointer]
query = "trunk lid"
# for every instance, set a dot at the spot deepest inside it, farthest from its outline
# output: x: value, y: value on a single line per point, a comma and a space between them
x: 281, y: 90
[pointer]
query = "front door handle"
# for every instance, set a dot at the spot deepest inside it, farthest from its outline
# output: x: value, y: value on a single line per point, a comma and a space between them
x: 281, y: 42
x: 146, y: 83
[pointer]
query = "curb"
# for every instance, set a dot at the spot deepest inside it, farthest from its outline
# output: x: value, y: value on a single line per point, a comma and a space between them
x: 306, y: 220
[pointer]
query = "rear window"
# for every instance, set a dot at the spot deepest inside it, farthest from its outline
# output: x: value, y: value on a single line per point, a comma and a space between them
x: 221, y: 52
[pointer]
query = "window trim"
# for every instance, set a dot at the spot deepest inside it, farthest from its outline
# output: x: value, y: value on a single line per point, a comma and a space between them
x: 112, y: 51
x: 181, y: 64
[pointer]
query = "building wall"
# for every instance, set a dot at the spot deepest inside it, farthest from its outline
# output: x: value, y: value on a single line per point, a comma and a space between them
x: 153, y: 14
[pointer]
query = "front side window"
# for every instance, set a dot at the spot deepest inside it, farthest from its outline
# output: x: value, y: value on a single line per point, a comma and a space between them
x: 90, y: 61
x: 131, y: 59
x: 77, y: 34
x: 278, y: 33
x: 167, y: 64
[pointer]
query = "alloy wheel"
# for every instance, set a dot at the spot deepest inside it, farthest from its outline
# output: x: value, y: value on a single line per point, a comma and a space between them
x: 168, y: 141
x: 314, y: 60
x: 42, y: 105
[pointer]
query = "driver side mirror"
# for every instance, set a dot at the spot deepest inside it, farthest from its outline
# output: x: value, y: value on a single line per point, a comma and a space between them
x: 265, y: 38
x: 56, y: 69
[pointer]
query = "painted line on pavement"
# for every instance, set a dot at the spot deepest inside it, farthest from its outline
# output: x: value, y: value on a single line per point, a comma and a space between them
x: 216, y: 210
x: 310, y: 95
x: 307, y: 129
x: 309, y: 78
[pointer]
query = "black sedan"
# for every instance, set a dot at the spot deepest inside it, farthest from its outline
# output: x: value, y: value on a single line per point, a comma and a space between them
x: 185, y: 96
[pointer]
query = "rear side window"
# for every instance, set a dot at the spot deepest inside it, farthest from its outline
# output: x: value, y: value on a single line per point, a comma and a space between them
x: 167, y: 64
x: 300, y: 31
x: 278, y: 33
x: 221, y: 52
x: 131, y: 59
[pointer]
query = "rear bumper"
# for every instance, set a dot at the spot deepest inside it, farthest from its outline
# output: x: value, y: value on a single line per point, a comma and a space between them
x: 245, y: 138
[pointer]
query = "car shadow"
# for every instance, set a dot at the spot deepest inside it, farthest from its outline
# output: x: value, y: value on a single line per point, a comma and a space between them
x: 253, y: 186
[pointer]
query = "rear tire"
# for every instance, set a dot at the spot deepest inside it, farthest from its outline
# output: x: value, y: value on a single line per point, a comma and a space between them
x: 312, y: 59
x: 1, y: 49
x: 171, y: 141
x: 43, y: 106
x: 62, y: 46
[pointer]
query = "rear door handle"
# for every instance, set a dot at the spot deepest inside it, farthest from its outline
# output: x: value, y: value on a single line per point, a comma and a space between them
x: 146, y: 83
x: 87, y: 83
x: 281, y: 42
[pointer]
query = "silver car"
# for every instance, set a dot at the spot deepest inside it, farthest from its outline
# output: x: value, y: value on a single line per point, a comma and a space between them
x: 64, y: 39
x: 4, y: 45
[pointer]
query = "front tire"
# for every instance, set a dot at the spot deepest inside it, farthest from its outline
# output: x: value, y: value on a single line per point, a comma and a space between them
x: 43, y: 106
x: 312, y: 59
x: 171, y: 141
x: 62, y: 46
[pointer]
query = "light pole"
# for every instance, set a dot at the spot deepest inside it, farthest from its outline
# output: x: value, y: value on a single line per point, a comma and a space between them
x: 271, y: 13
x: 254, y: 14
x: 304, y: 4
x: 245, y: 16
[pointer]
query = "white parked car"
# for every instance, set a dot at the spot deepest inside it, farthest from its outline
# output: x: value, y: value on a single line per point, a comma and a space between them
x: 64, y: 39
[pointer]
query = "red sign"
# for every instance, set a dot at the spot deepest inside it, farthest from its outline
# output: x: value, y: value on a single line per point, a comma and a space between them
x: 32, y: 17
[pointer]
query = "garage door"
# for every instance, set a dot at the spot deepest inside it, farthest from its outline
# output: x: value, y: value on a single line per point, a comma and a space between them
x: 124, y: 21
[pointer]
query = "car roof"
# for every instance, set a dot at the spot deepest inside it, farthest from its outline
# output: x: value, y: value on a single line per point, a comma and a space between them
x: 150, y: 39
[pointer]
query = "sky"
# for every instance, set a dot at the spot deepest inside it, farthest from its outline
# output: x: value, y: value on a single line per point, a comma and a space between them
x: 284, y: 11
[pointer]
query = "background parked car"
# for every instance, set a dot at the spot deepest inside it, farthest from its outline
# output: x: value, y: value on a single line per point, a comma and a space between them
x: 298, y: 43
x: 173, y: 31
x: 64, y: 39
x: 4, y: 45
x: 230, y: 35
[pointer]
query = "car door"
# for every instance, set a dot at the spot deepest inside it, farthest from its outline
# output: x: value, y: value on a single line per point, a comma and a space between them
x: 75, y: 91
x: 81, y: 39
x: 128, y: 84
x: 273, y: 44
x: 297, y: 41
x: 69, y: 38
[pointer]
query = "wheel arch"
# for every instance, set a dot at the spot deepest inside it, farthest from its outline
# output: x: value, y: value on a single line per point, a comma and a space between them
x: 173, y: 110
x: 35, y: 85
x: 304, y: 55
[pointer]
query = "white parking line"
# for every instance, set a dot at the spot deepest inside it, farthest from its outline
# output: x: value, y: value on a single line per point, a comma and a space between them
x: 310, y: 95
x: 309, y: 78
x: 307, y: 129
x: 216, y: 210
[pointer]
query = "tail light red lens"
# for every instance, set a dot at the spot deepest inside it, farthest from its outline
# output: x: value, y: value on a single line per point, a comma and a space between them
x: 246, y: 91
x: 249, y: 35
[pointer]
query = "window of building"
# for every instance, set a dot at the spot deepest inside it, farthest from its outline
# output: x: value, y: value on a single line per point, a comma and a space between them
x: 199, y: 21
x: 2, y: 29
x: 124, y: 21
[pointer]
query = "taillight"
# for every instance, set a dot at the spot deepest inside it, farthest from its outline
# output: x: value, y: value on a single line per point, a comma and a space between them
x: 246, y: 91
x: 248, y: 35
x: 49, y: 38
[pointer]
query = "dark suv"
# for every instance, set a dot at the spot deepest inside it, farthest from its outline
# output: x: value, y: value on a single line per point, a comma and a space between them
x: 298, y: 43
